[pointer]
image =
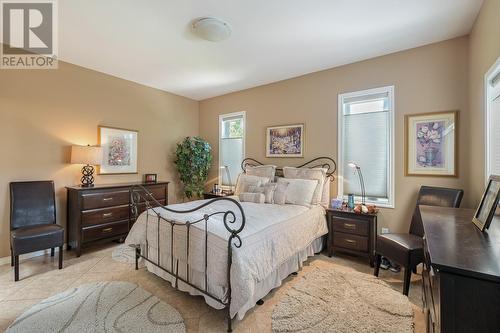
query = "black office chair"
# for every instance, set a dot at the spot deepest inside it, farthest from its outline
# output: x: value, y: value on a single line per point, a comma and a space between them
x: 407, y: 249
x: 33, y: 221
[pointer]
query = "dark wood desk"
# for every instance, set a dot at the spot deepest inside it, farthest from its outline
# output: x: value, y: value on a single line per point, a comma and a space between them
x: 461, y: 276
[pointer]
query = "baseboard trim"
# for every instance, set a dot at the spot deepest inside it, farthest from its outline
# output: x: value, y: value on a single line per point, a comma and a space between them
x: 6, y: 260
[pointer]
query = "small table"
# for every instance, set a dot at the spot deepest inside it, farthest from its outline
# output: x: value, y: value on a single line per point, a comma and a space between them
x: 212, y: 195
x: 352, y: 233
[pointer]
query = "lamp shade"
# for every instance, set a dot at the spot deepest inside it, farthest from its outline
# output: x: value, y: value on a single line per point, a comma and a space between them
x: 86, y: 155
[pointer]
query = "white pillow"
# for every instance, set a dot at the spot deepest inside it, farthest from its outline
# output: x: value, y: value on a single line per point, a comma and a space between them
x: 280, y: 192
x: 325, y: 197
x: 262, y: 171
x: 266, y: 189
x: 318, y: 174
x: 299, y: 191
x: 252, y: 197
x: 244, y: 181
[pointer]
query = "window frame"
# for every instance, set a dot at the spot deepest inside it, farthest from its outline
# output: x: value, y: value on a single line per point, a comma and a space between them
x: 390, y: 203
x: 221, y: 119
x: 489, y: 93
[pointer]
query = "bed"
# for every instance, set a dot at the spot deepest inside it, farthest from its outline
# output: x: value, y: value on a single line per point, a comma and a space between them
x: 230, y: 252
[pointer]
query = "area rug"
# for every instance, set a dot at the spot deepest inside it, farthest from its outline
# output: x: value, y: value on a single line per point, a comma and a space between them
x: 124, y: 254
x: 341, y: 300
x: 101, y: 307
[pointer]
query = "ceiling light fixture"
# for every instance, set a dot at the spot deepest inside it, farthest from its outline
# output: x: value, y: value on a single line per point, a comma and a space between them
x: 212, y: 29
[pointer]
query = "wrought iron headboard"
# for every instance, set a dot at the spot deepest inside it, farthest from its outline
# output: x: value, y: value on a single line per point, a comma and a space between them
x: 319, y: 162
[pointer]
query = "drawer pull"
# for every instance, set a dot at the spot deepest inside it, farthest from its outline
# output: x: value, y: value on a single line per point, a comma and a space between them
x: 351, y: 241
x: 351, y: 226
x: 107, y: 199
x: 107, y: 230
x: 106, y: 215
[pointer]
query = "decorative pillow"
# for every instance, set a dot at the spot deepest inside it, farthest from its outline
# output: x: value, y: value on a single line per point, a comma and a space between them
x: 246, y: 180
x: 325, y: 197
x: 318, y: 174
x: 280, y: 192
x: 300, y: 191
x: 252, y: 197
x: 267, y: 189
x: 267, y: 171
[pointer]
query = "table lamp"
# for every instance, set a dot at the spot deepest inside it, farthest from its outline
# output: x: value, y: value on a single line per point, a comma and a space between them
x: 89, y: 156
x: 357, y: 168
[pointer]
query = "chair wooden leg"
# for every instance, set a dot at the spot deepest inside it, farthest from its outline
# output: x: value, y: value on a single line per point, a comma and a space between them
x: 407, y: 278
x: 378, y: 259
x: 60, y: 257
x: 16, y: 268
x: 52, y: 252
x: 414, y: 270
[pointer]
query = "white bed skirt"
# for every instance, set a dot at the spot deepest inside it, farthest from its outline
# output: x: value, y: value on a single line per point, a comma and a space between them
x: 262, y: 288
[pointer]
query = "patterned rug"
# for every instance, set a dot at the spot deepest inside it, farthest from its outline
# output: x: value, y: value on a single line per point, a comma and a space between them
x: 339, y: 300
x: 101, y: 307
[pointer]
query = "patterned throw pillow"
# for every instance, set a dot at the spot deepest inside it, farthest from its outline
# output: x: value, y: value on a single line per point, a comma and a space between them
x: 267, y: 190
x: 252, y: 197
x: 280, y: 192
x: 244, y: 181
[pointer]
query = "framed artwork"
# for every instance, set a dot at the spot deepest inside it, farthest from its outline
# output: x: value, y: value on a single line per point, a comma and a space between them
x: 119, y: 149
x: 285, y: 141
x: 431, y: 141
x: 150, y: 178
x: 488, y: 205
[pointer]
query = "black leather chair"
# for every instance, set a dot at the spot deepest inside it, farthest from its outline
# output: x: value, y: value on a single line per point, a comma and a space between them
x: 407, y: 249
x: 33, y: 221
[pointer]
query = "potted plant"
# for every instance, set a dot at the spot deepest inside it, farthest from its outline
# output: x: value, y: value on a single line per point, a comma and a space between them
x: 194, y: 158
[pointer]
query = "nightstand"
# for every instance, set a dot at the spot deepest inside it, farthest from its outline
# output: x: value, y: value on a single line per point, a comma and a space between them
x: 211, y: 195
x: 352, y: 233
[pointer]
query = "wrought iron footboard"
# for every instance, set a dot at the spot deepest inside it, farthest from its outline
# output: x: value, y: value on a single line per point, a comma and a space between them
x: 141, y: 197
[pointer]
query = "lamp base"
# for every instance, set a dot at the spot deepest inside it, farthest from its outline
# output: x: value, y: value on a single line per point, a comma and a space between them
x: 88, y: 176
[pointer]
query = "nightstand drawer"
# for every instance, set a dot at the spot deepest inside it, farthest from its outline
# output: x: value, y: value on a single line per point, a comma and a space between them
x: 350, y: 226
x: 349, y: 241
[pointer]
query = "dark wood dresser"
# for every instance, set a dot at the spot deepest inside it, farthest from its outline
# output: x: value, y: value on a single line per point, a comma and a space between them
x: 461, y: 276
x: 352, y: 233
x: 103, y: 212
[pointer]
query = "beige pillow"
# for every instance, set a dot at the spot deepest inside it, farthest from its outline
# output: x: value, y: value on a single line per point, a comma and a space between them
x: 300, y: 191
x: 252, y: 197
x: 280, y: 192
x: 318, y: 174
x: 267, y: 171
x: 325, y: 198
x: 267, y: 189
x: 244, y: 181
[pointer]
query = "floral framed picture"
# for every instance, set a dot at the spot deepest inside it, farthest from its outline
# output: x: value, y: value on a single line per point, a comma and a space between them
x: 119, y: 149
x: 431, y: 144
x: 285, y: 141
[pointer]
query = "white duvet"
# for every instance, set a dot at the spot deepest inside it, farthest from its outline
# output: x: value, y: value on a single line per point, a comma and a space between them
x: 272, y: 235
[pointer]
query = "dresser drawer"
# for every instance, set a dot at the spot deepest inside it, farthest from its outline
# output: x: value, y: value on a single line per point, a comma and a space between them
x: 106, y: 199
x: 105, y: 215
x: 141, y: 207
x: 349, y: 241
x: 104, y: 231
x: 350, y: 226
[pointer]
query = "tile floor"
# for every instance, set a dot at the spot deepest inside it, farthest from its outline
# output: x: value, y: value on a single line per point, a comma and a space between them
x: 40, y: 279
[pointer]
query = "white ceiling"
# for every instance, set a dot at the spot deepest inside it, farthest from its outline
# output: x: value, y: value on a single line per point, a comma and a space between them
x: 149, y: 41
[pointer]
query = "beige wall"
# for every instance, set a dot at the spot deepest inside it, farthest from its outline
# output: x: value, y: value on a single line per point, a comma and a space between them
x: 43, y: 112
x: 426, y: 79
x: 484, y: 51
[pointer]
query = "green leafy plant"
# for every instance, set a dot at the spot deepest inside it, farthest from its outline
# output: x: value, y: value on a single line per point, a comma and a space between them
x: 194, y: 158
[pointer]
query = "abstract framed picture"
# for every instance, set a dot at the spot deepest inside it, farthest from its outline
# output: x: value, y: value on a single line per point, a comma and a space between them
x: 285, y: 141
x: 119, y: 149
x: 431, y: 141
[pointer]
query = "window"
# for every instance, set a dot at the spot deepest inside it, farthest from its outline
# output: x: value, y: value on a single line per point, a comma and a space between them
x: 231, y: 147
x: 492, y: 83
x: 366, y: 138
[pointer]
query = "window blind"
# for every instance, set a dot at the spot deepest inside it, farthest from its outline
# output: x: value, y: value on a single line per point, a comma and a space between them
x: 231, y: 149
x: 494, y: 125
x: 366, y: 142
